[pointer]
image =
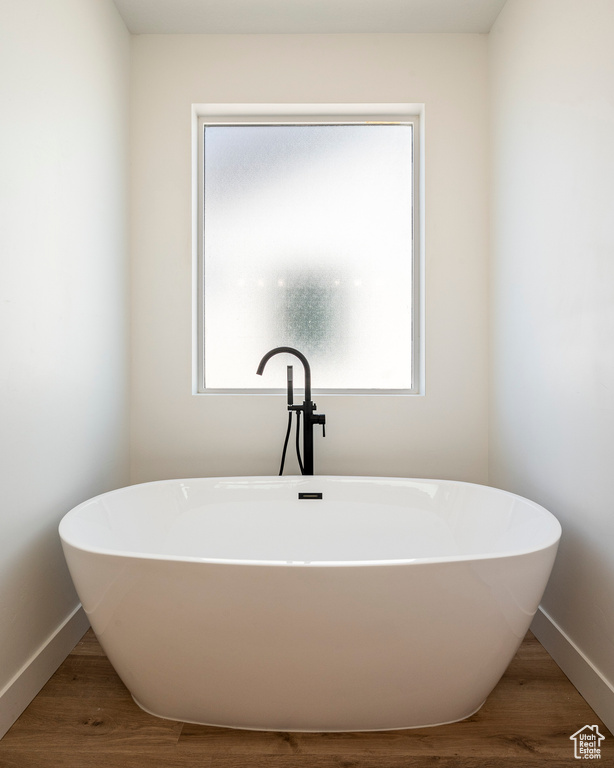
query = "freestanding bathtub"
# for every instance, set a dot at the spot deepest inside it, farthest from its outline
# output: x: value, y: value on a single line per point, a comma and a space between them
x: 253, y: 603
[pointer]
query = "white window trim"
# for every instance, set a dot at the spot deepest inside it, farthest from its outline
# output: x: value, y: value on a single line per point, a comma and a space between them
x: 279, y: 114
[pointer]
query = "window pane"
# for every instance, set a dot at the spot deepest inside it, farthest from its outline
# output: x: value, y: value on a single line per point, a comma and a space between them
x: 308, y: 244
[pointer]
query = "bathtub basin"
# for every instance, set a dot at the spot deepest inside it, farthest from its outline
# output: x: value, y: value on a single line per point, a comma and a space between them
x: 386, y: 603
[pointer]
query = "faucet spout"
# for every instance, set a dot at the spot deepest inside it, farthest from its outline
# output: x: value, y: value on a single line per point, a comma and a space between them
x: 308, y: 407
x: 290, y: 350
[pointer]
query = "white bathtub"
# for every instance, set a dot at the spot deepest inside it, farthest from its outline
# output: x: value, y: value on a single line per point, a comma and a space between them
x: 388, y: 603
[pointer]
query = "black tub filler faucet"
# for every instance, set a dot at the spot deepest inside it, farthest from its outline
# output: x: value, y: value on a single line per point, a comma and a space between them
x: 310, y: 417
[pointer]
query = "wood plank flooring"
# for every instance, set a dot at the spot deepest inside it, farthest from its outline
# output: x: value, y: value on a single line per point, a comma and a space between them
x: 85, y: 718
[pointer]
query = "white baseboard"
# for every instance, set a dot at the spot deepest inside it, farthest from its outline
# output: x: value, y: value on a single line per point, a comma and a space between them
x: 589, y: 681
x: 19, y: 692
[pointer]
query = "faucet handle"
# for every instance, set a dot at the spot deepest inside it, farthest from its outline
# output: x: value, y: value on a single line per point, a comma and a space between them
x: 320, y: 418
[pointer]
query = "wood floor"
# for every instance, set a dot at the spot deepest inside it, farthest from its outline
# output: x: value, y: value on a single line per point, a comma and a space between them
x: 85, y: 718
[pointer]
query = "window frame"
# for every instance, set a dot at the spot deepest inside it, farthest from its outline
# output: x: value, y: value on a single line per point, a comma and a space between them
x: 306, y: 114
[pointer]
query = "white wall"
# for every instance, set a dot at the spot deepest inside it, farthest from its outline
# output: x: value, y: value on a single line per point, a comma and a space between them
x: 552, y: 431
x: 442, y: 434
x: 63, y: 304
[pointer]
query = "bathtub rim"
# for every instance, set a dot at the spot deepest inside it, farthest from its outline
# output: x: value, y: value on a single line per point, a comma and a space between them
x: 553, y: 541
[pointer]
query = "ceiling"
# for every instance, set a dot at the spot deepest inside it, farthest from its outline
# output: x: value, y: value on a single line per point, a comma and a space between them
x: 307, y: 16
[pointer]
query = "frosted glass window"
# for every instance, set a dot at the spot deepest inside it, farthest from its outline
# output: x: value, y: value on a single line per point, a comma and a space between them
x: 308, y: 243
